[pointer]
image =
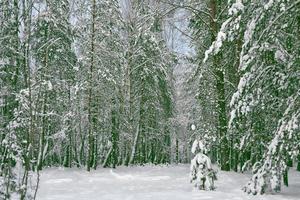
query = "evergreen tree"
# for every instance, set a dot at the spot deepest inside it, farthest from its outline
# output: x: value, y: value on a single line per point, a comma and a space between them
x: 265, y: 108
x: 217, y: 75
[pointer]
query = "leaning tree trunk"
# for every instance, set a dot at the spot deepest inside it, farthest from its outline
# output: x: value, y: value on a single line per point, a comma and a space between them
x: 134, y: 148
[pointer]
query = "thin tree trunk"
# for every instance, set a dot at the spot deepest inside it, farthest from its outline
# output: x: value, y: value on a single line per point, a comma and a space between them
x: 95, y: 155
x: 134, y: 148
x: 114, y: 136
x: 177, y: 151
x: 42, y: 140
x: 298, y: 164
x: 27, y: 11
x: 285, y: 178
x: 42, y: 136
x: 90, y: 111
x: 106, y: 160
x: 17, y: 43
x: 37, y: 185
x: 221, y: 99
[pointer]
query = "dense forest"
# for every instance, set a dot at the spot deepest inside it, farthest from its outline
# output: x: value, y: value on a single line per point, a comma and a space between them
x: 104, y: 83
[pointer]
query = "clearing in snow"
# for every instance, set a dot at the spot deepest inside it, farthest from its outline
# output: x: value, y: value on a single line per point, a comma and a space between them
x: 149, y: 183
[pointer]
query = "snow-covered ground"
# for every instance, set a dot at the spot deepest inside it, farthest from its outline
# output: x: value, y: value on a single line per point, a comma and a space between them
x: 148, y: 183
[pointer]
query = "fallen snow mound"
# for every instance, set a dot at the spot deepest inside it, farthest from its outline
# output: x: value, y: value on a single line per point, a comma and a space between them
x: 148, y: 183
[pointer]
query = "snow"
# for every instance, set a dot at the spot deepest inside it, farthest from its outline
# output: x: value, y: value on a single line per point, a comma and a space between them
x: 236, y: 7
x: 216, y: 45
x: 198, y: 145
x: 50, y: 86
x: 148, y: 182
x: 193, y: 127
x: 194, y: 146
x: 269, y: 4
x: 248, y: 36
x: 279, y: 55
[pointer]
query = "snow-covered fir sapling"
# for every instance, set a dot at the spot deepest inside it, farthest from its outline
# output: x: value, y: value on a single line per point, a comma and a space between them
x: 202, y: 173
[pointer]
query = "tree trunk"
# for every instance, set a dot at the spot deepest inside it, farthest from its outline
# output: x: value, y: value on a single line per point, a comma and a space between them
x: 42, y: 139
x: 27, y: 10
x: 298, y: 164
x: 221, y: 100
x: 134, y: 148
x: 107, y: 157
x: 42, y: 136
x: 90, y: 96
x: 17, y: 43
x: 114, y: 137
x: 95, y: 155
x: 177, y: 151
x: 285, y: 178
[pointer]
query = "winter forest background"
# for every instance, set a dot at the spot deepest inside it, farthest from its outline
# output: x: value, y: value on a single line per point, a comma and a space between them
x: 104, y: 83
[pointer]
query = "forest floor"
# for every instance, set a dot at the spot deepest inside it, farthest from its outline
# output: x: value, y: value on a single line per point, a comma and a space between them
x: 148, y: 183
